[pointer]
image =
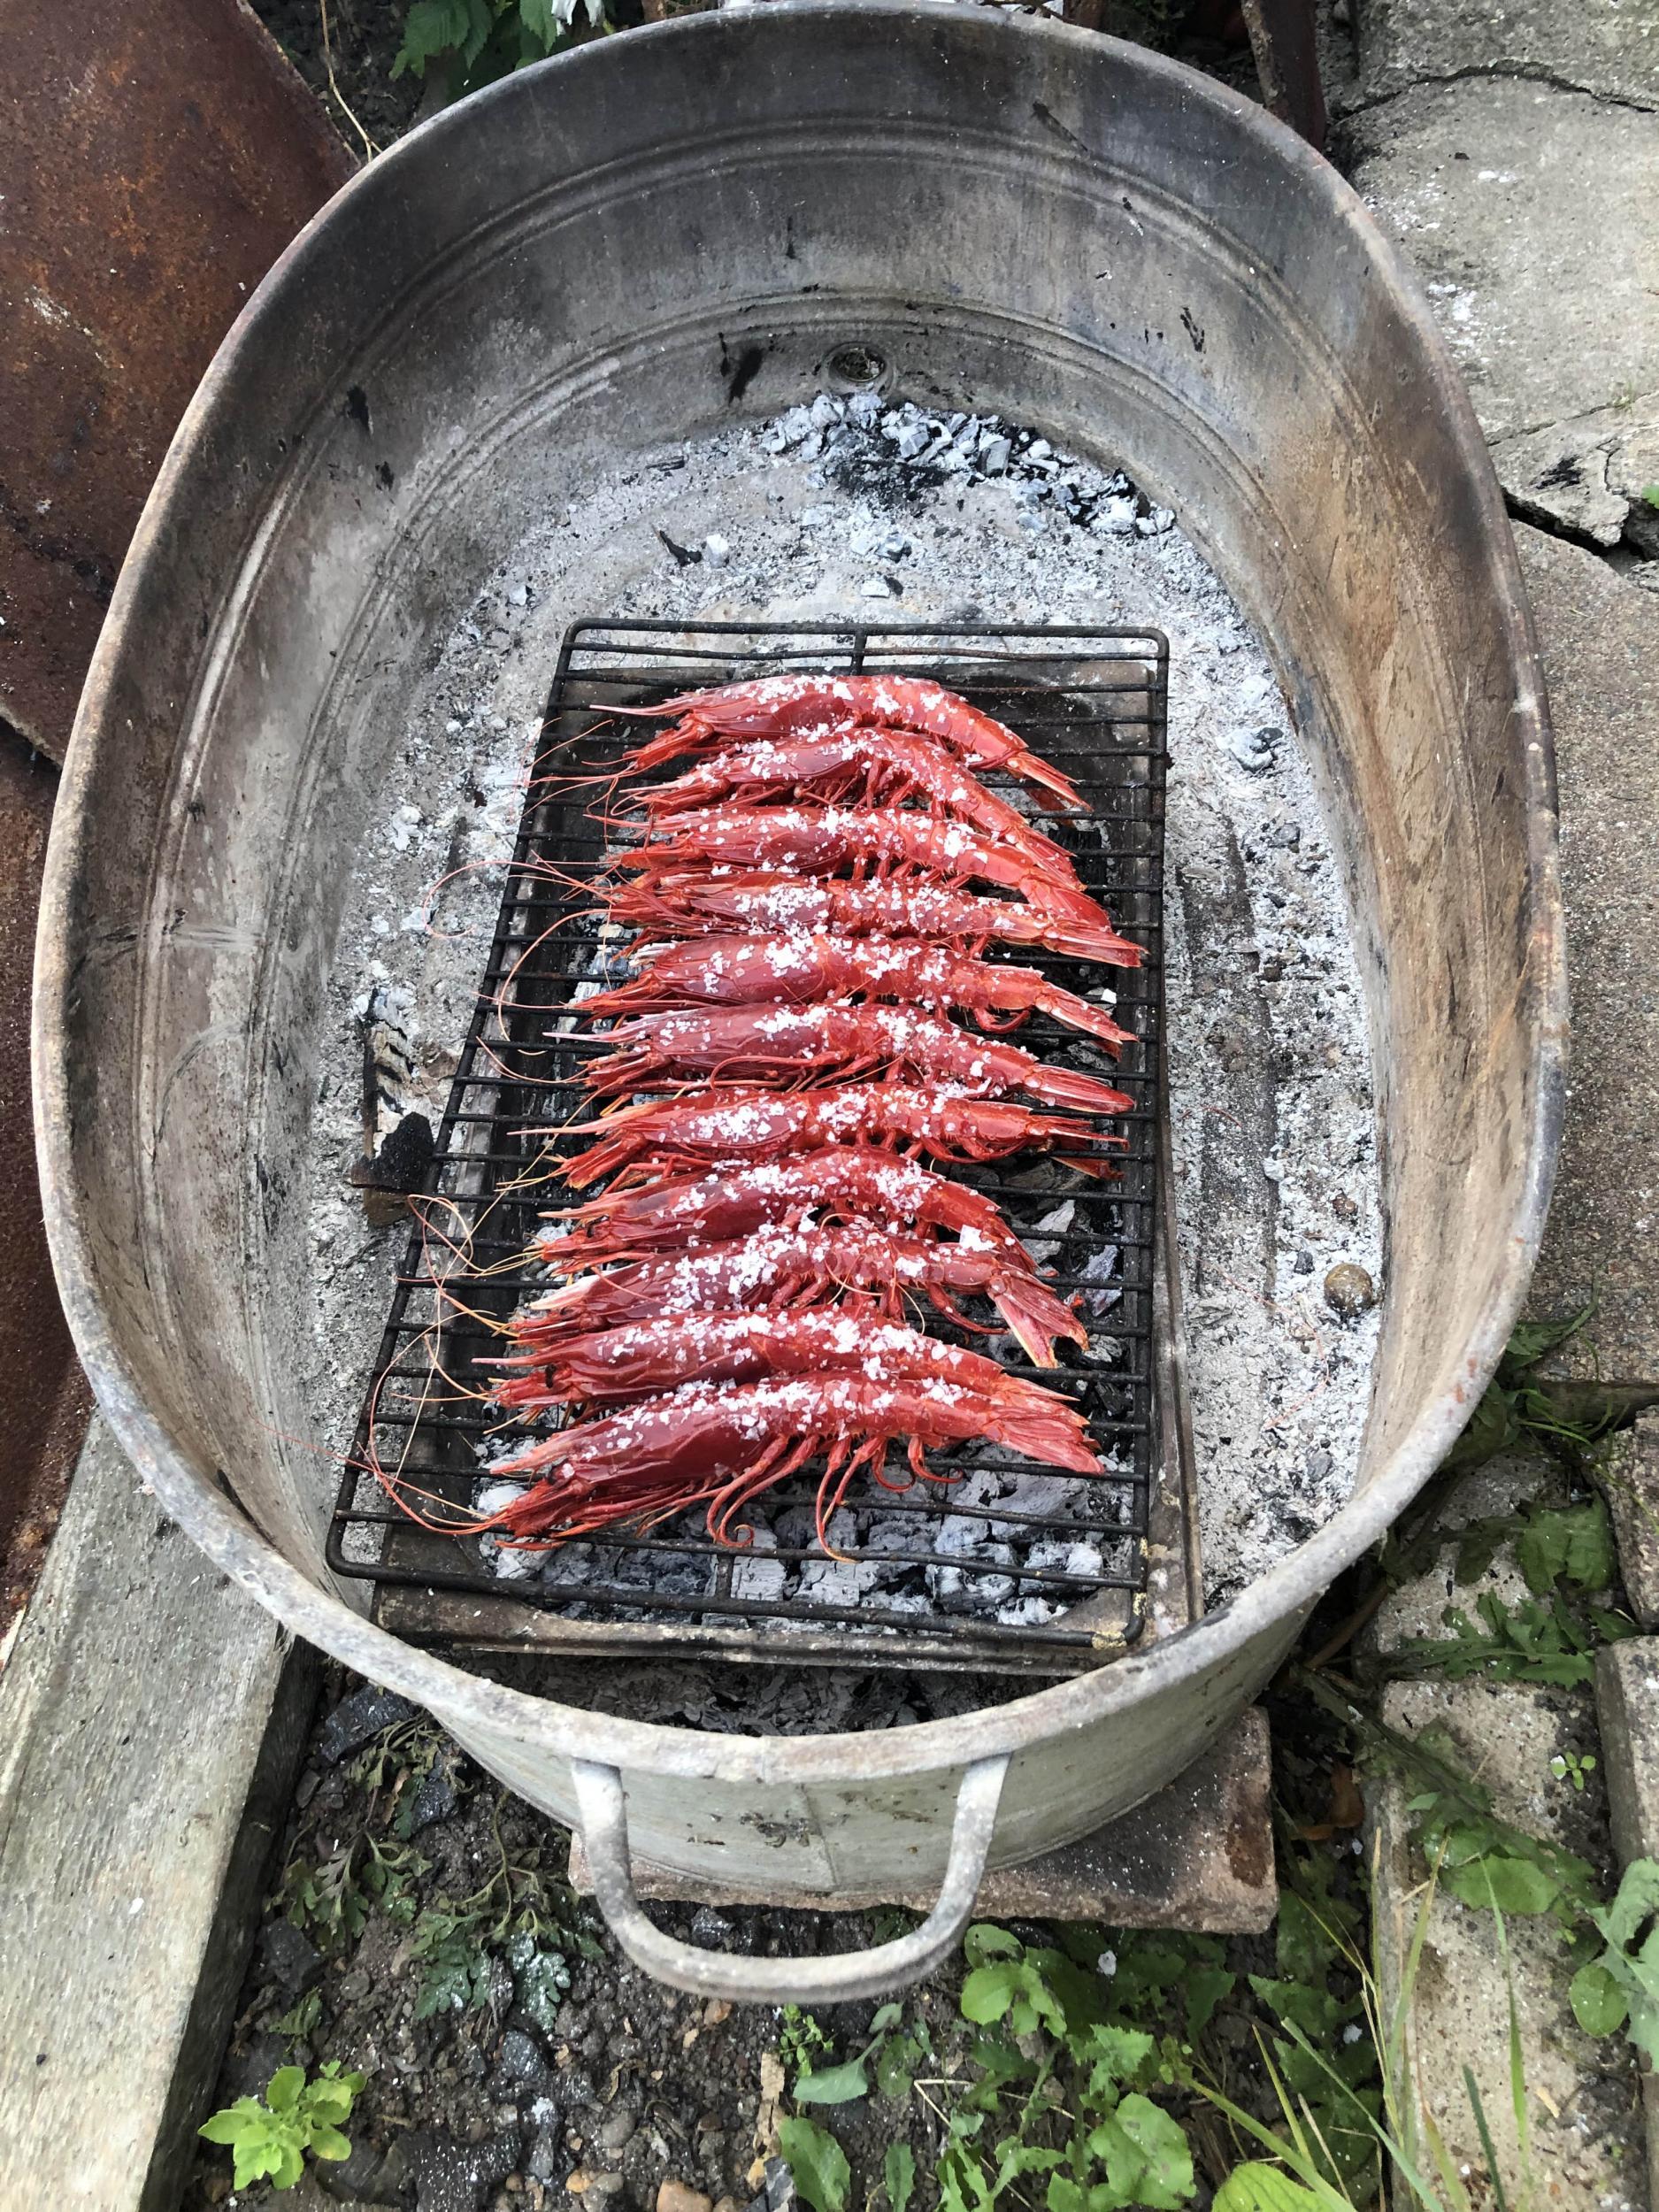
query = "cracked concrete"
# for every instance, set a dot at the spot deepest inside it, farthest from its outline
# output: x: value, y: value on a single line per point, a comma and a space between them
x: 1486, y: 182
x: 1583, y: 2096
x: 1584, y: 478
x: 1609, y: 47
x: 1600, y: 640
x: 1511, y: 148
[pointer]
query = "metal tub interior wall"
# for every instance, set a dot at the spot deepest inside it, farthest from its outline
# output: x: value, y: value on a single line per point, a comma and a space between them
x: 658, y: 234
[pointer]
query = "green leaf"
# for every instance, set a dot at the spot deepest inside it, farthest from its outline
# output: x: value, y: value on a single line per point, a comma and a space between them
x: 255, y: 2157
x: 1492, y: 1428
x: 282, y: 2093
x: 897, y: 2061
x: 1637, y: 1900
x: 328, y: 2142
x: 817, y: 2162
x: 1513, y: 1886
x: 1599, y: 2005
x: 898, y: 2174
x: 989, y: 1992
x: 1314, y: 2010
x: 835, y: 2084
x: 547, y: 21
x: 540, y: 1981
x: 1206, y: 1987
x: 1015, y: 2158
x: 1145, y: 2154
x: 1117, y: 2054
x: 432, y: 29
x: 234, y: 2121
x: 1574, y: 1544
x: 1636, y: 1972
x: 985, y: 1941
x: 1530, y: 1339
x: 288, y: 2166
x: 1254, y: 2187
x: 457, y: 1976
x: 1302, y: 1946
x: 1650, y: 492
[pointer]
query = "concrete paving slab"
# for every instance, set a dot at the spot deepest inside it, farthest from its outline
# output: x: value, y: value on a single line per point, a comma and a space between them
x: 1627, y: 1703
x: 1600, y: 638
x: 1630, y: 1480
x: 1608, y: 47
x: 1586, y: 477
x: 1584, y: 2098
x: 152, y: 1721
x: 1585, y: 2110
x: 1497, y: 188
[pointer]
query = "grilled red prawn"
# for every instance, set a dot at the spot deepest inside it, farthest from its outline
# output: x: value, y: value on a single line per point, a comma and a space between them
x: 729, y: 1445
x: 747, y: 1122
x: 641, y: 1358
x: 701, y: 905
x: 781, y: 1044
x: 780, y: 706
x: 856, y: 762
x: 777, y: 1267
x: 841, y: 1180
x: 817, y: 841
x: 804, y: 970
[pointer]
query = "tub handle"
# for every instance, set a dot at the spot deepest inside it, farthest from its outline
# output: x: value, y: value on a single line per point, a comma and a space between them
x: 819, y: 1981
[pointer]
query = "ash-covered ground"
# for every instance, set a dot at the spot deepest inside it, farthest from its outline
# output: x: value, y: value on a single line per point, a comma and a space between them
x: 860, y: 509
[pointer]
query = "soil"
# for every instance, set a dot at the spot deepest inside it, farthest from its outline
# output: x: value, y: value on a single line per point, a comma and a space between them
x: 511, y: 2097
x: 613, y: 2088
x: 361, y: 44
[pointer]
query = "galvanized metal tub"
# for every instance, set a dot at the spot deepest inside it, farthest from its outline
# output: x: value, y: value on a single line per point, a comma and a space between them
x: 625, y: 245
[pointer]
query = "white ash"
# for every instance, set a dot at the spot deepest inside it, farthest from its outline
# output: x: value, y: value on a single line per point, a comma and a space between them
x: 786, y: 521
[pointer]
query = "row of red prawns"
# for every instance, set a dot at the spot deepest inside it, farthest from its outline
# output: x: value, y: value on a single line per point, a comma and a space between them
x: 815, y: 894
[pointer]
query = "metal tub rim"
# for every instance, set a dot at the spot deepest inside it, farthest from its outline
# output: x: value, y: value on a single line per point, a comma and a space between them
x: 224, y: 1534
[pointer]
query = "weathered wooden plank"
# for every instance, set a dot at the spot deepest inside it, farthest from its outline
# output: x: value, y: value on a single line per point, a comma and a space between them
x: 151, y: 1719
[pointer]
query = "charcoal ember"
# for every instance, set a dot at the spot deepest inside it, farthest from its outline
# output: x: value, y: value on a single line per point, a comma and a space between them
x: 289, y: 1957
x: 756, y: 1578
x: 451, y: 2176
x: 969, y: 1588
x: 520, y: 2069
x: 437, y: 1795
x: 359, y: 2178
x: 246, y: 2072
x: 359, y: 1719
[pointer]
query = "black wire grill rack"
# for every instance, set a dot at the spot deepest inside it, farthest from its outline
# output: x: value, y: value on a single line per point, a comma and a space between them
x: 1008, y: 1567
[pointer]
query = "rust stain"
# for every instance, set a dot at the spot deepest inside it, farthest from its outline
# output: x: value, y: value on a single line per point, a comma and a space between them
x: 1249, y: 1825
x: 47, y: 1399
x: 159, y: 157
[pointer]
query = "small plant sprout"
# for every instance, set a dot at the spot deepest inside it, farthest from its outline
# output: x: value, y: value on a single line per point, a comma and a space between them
x: 269, y: 2135
x: 1571, y: 1766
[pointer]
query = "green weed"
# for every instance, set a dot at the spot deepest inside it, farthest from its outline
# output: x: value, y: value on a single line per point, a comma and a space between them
x: 269, y: 2135
x: 475, y: 41
x: 517, y: 1911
